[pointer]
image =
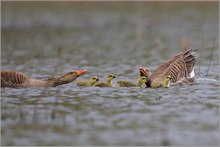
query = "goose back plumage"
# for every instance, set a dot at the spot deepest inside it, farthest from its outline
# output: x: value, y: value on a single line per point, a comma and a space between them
x: 179, y: 66
x: 15, y: 79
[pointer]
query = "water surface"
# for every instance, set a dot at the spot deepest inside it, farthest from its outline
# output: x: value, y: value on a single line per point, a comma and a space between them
x: 45, y: 39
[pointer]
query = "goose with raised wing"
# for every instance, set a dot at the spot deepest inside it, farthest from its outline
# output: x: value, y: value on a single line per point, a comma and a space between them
x: 108, y: 82
x: 15, y: 79
x: 89, y: 82
x: 140, y: 82
x: 180, y: 67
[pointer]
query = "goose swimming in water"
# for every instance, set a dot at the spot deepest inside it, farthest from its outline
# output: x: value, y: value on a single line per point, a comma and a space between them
x: 180, y: 67
x: 15, y: 79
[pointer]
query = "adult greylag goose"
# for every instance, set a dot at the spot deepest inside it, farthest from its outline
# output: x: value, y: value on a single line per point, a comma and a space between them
x: 180, y: 67
x: 108, y: 82
x: 141, y: 80
x: 15, y: 79
x: 89, y: 82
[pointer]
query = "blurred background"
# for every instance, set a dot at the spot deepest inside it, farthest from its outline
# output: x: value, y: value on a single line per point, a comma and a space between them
x: 45, y: 39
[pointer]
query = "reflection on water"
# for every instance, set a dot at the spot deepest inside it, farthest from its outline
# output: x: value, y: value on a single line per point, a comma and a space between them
x: 48, y: 39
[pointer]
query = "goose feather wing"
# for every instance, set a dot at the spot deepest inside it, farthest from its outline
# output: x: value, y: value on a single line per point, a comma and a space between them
x: 160, y: 69
x: 13, y: 77
x: 179, y: 66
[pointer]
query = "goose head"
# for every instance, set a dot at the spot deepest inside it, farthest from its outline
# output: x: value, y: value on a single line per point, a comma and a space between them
x: 79, y: 72
x: 71, y: 76
x: 143, y: 71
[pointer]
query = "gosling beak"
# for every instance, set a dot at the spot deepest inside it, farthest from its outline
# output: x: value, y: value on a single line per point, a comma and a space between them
x: 81, y: 72
x: 114, y: 77
x: 97, y: 79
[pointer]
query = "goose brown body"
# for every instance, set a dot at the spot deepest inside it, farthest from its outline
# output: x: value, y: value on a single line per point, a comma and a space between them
x: 15, y: 79
x: 179, y: 67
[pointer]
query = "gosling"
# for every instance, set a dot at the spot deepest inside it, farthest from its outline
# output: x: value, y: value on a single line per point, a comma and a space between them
x: 108, y: 82
x: 89, y: 82
x: 165, y: 84
x: 140, y: 82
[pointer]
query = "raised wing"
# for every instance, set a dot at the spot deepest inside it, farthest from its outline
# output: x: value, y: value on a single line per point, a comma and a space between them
x: 179, y: 66
x: 159, y: 70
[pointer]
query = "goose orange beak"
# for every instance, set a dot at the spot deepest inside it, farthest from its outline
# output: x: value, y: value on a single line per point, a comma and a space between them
x: 143, y: 71
x: 81, y: 72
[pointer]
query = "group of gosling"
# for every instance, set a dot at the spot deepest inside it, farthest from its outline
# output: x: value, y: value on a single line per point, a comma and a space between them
x: 141, y: 80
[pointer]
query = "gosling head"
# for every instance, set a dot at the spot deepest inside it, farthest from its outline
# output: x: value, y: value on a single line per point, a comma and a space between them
x: 111, y: 76
x: 167, y: 80
x: 95, y: 79
x: 141, y: 80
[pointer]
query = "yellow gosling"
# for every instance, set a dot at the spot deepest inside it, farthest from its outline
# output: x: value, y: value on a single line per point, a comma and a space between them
x: 89, y: 82
x: 141, y: 80
x: 108, y: 82
x: 165, y: 83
